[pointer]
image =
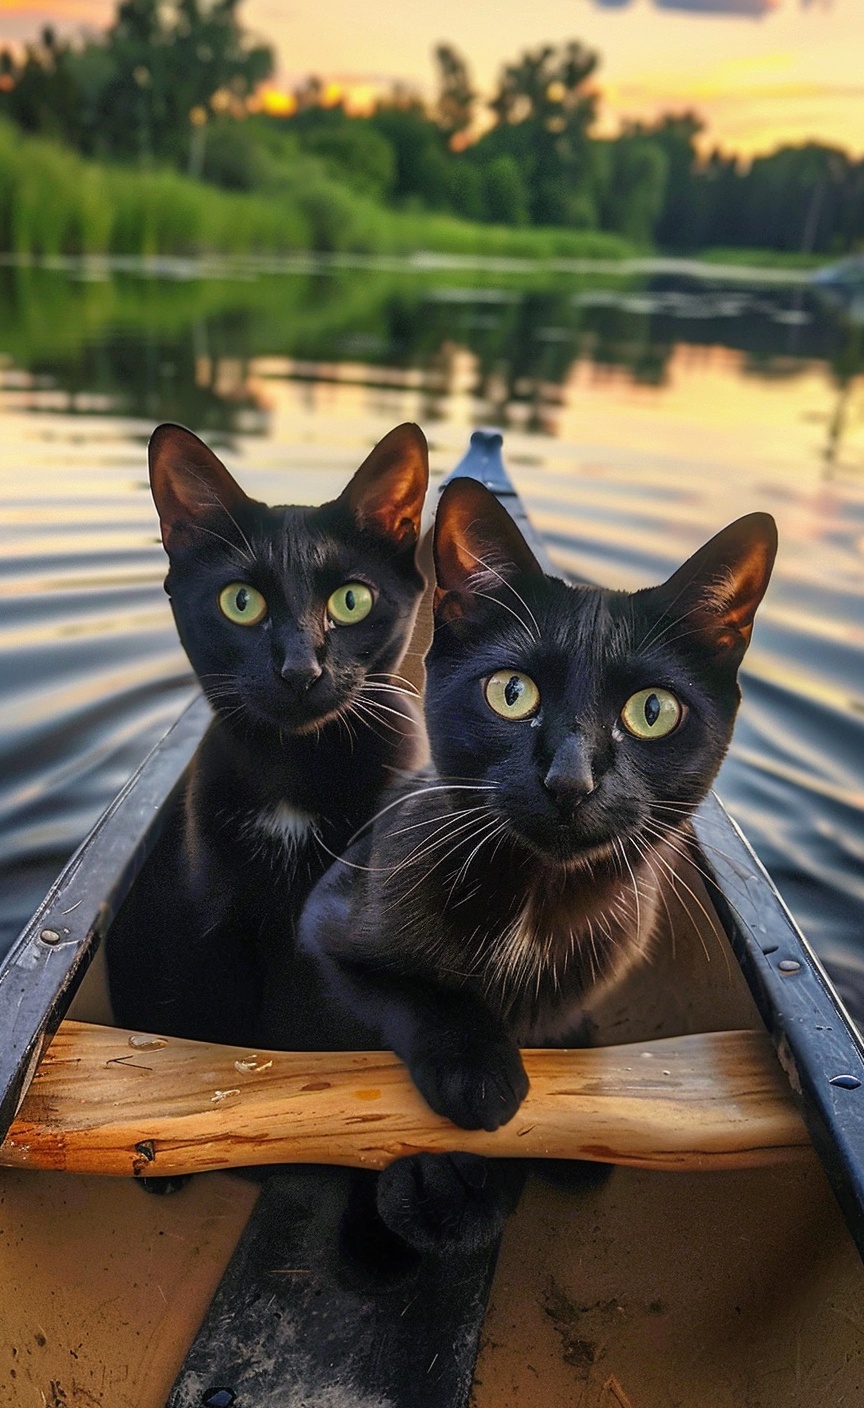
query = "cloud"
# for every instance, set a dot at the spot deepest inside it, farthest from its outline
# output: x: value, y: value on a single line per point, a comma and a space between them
x: 720, y: 7
x: 752, y: 8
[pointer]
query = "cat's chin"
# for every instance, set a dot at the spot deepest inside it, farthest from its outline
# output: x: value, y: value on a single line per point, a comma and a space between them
x: 289, y: 724
x: 313, y: 725
x: 561, y: 853
x: 585, y: 858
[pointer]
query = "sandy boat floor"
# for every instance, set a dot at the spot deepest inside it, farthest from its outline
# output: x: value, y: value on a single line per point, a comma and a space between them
x: 731, y: 1290
x: 650, y: 1290
x: 103, y: 1287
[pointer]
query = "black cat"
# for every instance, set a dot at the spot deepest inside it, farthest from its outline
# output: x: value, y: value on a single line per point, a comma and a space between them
x: 295, y: 620
x: 573, y: 730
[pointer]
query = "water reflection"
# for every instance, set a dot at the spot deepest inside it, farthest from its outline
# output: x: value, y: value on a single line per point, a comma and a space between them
x: 642, y: 413
x: 182, y: 347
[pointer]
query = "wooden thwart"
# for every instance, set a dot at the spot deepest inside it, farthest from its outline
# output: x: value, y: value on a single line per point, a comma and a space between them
x: 109, y: 1101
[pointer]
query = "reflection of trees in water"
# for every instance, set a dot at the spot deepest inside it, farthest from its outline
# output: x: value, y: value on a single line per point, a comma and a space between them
x: 173, y: 347
x: 181, y: 348
x: 847, y: 367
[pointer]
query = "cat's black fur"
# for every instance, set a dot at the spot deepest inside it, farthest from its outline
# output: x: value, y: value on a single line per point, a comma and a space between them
x: 500, y: 891
x: 310, y: 723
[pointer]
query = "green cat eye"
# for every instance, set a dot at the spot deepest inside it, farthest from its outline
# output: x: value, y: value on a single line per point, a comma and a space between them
x: 350, y: 604
x: 242, y: 604
x: 652, y: 713
x: 512, y: 695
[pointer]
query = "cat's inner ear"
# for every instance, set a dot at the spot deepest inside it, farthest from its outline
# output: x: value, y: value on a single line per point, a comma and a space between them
x: 477, y: 548
x: 388, y: 491
x: 191, y: 487
x: 716, y: 592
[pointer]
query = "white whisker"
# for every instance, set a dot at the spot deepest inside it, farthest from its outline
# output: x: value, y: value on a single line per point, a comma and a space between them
x: 509, y: 585
x: 421, y: 792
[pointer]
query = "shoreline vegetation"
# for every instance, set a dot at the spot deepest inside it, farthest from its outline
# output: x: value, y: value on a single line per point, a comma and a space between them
x: 155, y: 138
x: 55, y: 202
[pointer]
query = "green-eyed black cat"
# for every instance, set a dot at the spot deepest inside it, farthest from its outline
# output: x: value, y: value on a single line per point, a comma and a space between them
x: 295, y: 621
x: 573, y: 731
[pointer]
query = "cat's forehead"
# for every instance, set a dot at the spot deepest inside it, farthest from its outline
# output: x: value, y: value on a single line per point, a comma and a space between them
x: 540, y: 624
x: 297, y: 540
x: 613, y: 628
x: 572, y: 617
x: 586, y: 604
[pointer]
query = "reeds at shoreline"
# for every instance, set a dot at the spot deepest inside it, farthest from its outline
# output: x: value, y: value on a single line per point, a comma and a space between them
x: 54, y: 202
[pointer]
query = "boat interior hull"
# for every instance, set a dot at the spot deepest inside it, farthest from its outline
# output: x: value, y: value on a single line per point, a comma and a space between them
x: 633, y: 1290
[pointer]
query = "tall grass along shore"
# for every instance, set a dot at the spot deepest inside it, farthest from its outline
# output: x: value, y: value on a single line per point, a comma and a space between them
x: 53, y: 201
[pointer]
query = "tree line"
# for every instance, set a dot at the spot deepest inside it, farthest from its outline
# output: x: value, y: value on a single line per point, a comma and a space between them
x: 172, y: 84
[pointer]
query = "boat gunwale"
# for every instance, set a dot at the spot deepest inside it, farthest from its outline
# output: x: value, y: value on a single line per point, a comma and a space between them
x: 807, y: 1022
x: 43, y: 969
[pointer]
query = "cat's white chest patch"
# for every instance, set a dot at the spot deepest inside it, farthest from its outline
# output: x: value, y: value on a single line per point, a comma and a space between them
x: 286, y: 824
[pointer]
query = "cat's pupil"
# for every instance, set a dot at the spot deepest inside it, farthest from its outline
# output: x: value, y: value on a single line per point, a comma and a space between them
x: 652, y: 710
x: 512, y: 690
x: 350, y: 599
x: 241, y: 600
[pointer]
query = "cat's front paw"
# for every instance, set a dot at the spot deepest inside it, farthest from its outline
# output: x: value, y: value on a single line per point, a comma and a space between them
x: 478, y: 1087
x: 448, y: 1203
x: 167, y: 1183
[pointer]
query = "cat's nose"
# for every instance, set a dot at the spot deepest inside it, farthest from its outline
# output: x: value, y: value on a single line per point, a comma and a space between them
x: 301, y: 680
x: 570, y: 777
x: 300, y: 669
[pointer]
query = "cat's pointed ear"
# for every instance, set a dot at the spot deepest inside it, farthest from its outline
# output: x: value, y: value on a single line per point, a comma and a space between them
x: 477, y: 546
x: 716, y: 593
x: 191, y: 487
x: 388, y: 491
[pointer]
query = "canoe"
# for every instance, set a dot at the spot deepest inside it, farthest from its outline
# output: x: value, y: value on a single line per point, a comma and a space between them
x: 718, y: 1264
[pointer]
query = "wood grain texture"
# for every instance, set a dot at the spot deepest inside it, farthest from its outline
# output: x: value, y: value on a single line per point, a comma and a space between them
x: 109, y: 1101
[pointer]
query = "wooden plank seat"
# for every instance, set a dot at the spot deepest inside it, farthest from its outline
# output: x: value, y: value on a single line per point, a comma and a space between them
x: 110, y: 1101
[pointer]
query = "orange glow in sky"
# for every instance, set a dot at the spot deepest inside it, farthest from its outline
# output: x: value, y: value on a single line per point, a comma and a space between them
x: 275, y: 103
x: 760, y: 73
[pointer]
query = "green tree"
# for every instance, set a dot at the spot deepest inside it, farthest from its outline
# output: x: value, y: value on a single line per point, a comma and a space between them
x: 454, y: 110
x: 632, y: 188
x: 40, y: 91
x: 681, y: 222
x: 506, y: 196
x: 419, y: 150
x: 171, y: 67
x: 355, y: 153
x: 794, y: 198
x: 544, y: 110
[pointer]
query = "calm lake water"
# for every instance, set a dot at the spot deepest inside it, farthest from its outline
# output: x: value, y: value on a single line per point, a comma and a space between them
x: 642, y: 412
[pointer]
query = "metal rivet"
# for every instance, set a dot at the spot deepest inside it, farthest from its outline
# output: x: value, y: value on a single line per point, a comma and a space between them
x: 770, y: 948
x: 845, y: 1082
x: 50, y: 936
x: 219, y: 1398
x: 789, y: 965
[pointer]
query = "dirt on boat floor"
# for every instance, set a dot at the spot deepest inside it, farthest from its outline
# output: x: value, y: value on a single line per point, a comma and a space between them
x: 650, y: 1290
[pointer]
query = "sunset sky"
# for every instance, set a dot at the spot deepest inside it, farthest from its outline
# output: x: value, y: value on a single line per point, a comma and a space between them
x: 759, y: 71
